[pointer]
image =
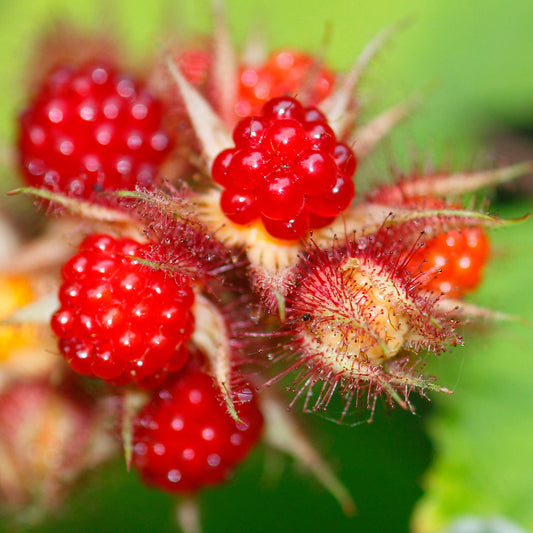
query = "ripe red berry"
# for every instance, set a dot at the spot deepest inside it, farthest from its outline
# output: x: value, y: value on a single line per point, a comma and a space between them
x: 451, y: 263
x: 284, y: 73
x: 184, y: 439
x: 121, y: 321
x: 287, y: 168
x: 89, y: 130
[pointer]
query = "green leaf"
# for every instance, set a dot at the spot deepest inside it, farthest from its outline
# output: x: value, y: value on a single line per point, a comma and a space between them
x: 483, y: 434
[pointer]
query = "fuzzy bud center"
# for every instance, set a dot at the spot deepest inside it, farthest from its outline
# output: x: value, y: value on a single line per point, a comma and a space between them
x: 359, y: 321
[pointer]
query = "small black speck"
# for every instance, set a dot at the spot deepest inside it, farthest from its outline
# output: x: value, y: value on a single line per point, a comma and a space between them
x: 306, y: 317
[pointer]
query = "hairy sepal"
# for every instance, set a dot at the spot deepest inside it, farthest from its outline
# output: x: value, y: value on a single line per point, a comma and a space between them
x: 366, y: 219
x: 466, y: 311
x: 208, y: 126
x: 212, y: 336
x: 225, y: 71
x: 368, y: 136
x: 359, y: 384
x: 272, y: 288
x: 355, y: 314
x: 180, y: 243
x: 85, y: 209
x: 445, y: 185
x: 132, y: 400
x: 340, y: 106
x: 37, y: 312
x: 284, y: 433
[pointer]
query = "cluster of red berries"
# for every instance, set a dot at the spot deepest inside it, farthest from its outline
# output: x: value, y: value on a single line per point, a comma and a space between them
x: 92, y: 129
x: 284, y: 72
x: 119, y: 320
x: 287, y: 169
x: 124, y: 322
x: 451, y: 263
x: 184, y: 439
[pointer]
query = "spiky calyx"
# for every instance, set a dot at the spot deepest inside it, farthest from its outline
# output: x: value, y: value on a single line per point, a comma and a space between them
x: 355, y: 313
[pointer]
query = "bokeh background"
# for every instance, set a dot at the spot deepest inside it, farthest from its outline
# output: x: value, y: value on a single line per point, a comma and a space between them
x: 463, y: 455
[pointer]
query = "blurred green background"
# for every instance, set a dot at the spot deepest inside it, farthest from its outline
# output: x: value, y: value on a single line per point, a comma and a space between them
x: 466, y: 454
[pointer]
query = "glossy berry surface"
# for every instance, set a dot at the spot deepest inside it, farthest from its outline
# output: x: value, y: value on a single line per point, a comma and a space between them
x: 285, y: 73
x: 89, y: 130
x: 451, y: 263
x: 121, y: 321
x: 184, y: 439
x: 287, y: 169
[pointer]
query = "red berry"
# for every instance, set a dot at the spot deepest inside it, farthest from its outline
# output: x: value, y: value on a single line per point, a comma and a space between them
x: 240, y: 206
x: 247, y: 168
x: 287, y: 138
x: 285, y: 169
x: 283, y: 107
x: 121, y: 321
x: 221, y: 166
x: 89, y: 130
x: 184, y: 439
x: 345, y: 159
x: 284, y: 73
x: 322, y: 137
x: 452, y: 262
x: 316, y: 171
x: 249, y: 131
x: 336, y: 200
x: 288, y: 230
x: 282, y: 197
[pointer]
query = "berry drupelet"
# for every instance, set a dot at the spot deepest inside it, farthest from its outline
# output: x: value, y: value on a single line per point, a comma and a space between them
x: 287, y: 169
